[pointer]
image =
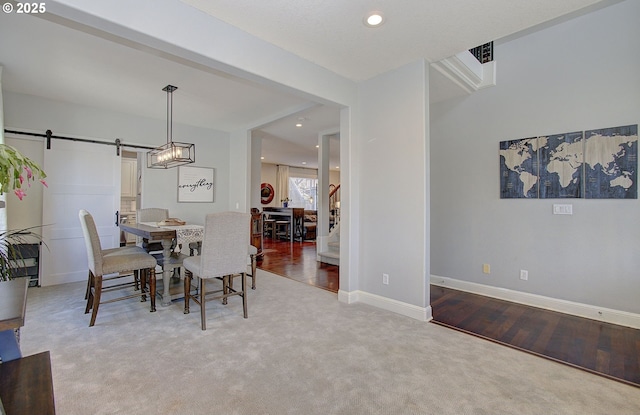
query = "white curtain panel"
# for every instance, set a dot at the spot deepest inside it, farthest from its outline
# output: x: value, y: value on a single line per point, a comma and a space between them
x: 282, y: 185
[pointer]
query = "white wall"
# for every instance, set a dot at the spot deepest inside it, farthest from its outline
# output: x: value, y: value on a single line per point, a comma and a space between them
x: 23, y: 112
x: 579, y: 75
x: 392, y: 165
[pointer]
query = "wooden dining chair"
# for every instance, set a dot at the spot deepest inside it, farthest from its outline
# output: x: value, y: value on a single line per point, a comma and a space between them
x: 123, y: 250
x: 224, y: 253
x: 103, y: 268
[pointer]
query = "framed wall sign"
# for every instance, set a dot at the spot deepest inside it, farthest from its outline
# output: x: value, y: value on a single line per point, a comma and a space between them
x: 195, y: 184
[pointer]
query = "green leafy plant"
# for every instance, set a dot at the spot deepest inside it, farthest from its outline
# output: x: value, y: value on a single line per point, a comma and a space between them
x: 17, y: 171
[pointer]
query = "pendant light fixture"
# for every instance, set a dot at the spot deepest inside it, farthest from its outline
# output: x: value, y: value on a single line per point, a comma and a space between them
x: 172, y: 154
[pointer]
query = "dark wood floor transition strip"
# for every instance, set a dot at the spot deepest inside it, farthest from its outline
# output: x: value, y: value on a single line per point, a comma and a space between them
x: 601, y: 348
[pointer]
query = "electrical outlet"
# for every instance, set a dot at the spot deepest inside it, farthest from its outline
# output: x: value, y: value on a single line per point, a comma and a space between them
x: 486, y: 268
x: 385, y: 279
x: 524, y: 274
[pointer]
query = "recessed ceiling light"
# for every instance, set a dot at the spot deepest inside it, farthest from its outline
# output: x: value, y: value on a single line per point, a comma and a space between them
x: 304, y: 162
x: 262, y: 158
x: 373, y: 19
x: 317, y: 145
x: 299, y: 125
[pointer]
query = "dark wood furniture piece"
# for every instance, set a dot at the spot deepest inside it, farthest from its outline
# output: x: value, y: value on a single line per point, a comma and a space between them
x: 26, y: 385
x: 295, y: 216
x: 256, y: 229
x: 13, y: 303
x: 310, y: 224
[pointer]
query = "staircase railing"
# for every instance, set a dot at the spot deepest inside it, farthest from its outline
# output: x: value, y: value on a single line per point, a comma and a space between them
x: 483, y: 53
x: 334, y: 205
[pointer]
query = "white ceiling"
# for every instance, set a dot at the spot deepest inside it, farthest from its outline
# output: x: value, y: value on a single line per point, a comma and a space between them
x: 331, y: 34
x: 48, y: 59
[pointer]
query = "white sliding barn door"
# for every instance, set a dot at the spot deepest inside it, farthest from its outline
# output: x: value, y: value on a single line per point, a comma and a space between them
x: 80, y: 176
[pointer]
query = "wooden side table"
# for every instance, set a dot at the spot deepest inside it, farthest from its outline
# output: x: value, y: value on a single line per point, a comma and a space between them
x: 26, y: 385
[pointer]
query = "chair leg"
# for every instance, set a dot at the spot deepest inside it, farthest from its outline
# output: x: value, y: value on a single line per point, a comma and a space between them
x: 152, y: 287
x: 187, y: 290
x: 253, y: 271
x: 90, y: 286
x: 97, y: 291
x: 136, y: 278
x: 244, y: 293
x: 142, y: 274
x: 203, y: 317
x: 86, y: 294
x: 225, y: 287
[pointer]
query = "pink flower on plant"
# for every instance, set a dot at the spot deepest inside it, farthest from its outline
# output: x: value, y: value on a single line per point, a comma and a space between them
x: 20, y: 193
x: 44, y: 183
x: 29, y: 172
x: 21, y: 179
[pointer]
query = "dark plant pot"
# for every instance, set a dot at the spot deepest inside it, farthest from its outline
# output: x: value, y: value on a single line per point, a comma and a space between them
x: 285, y: 204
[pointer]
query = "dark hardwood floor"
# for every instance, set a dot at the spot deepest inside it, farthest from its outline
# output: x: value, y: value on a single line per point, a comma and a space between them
x: 602, y: 348
x: 297, y: 261
x: 605, y: 349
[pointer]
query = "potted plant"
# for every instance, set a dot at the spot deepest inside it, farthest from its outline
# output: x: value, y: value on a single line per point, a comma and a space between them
x: 285, y: 202
x: 17, y: 173
x: 17, y: 170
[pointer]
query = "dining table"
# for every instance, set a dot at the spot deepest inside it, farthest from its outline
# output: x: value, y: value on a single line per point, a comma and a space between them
x: 168, y: 260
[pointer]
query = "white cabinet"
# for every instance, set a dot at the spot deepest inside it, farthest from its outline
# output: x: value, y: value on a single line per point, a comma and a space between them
x: 128, y: 186
x: 131, y: 238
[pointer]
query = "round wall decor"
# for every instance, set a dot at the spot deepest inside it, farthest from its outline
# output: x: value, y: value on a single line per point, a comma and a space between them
x: 266, y: 193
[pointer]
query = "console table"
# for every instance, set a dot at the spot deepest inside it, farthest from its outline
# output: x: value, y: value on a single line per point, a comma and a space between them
x: 295, y: 216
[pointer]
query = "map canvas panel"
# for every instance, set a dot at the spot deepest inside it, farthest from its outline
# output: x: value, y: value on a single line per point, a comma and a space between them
x: 611, y: 163
x: 561, y: 165
x: 519, y: 168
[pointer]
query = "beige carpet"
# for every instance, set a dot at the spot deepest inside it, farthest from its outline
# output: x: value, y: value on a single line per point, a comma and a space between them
x: 299, y: 352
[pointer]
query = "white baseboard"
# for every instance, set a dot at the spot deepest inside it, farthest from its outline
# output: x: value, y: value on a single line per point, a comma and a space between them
x: 409, y: 310
x: 55, y: 279
x: 608, y: 315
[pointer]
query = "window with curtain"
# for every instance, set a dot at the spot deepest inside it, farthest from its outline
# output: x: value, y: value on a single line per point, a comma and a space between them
x: 303, y: 188
x: 303, y: 192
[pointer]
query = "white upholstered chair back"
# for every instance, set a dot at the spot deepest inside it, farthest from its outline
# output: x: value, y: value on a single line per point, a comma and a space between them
x: 224, y: 247
x: 151, y: 215
x: 92, y: 242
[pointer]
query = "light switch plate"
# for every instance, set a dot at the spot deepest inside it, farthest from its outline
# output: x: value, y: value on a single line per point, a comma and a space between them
x: 562, y: 209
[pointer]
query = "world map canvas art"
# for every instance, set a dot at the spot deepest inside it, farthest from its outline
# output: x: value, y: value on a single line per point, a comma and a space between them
x: 596, y: 164
x: 611, y: 163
